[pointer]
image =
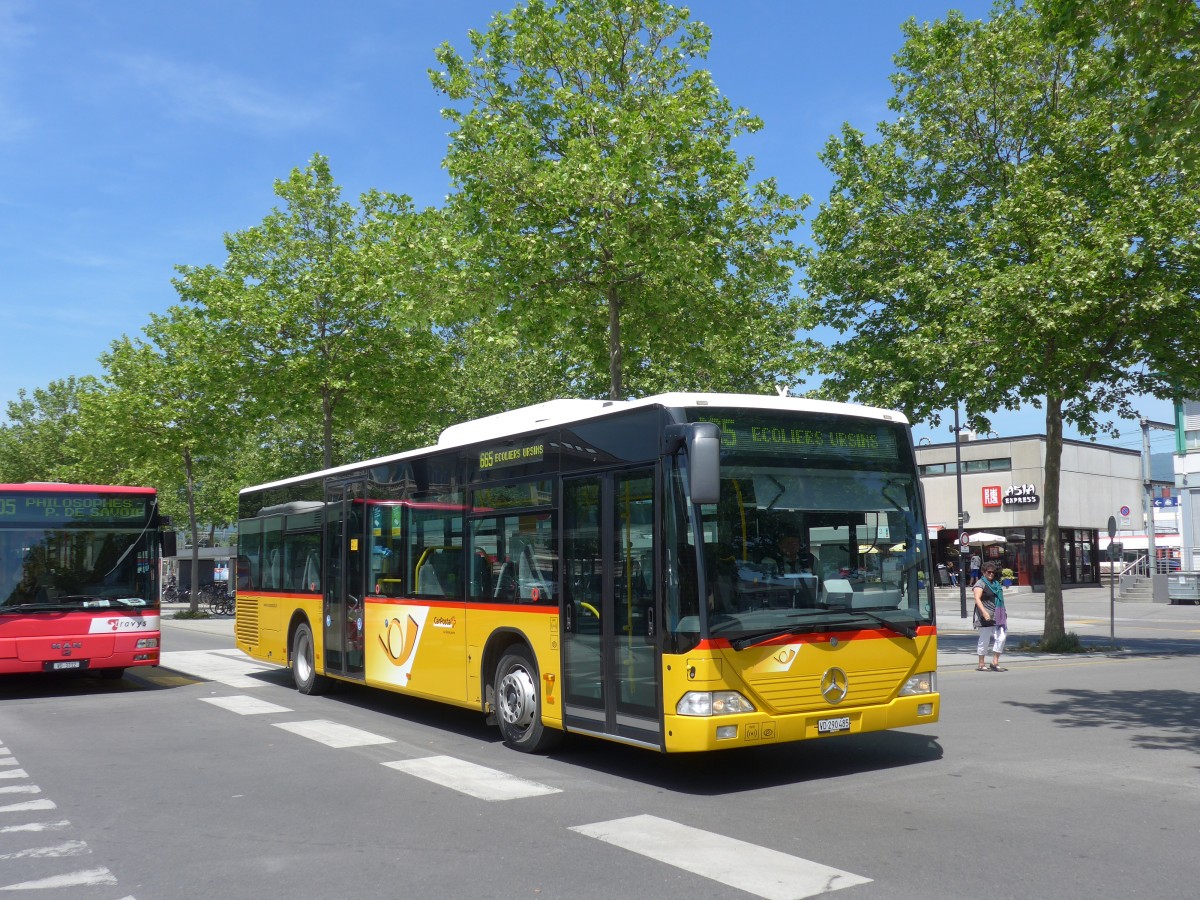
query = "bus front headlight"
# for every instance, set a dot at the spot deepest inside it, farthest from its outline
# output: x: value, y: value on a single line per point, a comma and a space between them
x: 921, y: 683
x: 713, y: 703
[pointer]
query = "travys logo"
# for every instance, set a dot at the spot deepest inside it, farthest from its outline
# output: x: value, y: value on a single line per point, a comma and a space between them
x: 399, y: 639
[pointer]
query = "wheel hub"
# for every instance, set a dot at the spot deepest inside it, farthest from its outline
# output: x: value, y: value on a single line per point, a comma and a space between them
x: 517, y: 699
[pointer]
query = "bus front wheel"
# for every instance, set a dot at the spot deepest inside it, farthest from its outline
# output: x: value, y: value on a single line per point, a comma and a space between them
x: 304, y: 670
x: 518, y: 704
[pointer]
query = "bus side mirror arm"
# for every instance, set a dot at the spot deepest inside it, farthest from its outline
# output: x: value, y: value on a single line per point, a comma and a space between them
x: 703, y: 443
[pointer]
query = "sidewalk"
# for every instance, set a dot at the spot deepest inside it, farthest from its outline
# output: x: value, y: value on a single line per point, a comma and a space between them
x: 1087, y: 612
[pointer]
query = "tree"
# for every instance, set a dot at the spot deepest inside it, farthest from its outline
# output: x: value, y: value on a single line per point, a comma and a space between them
x: 1005, y: 243
x: 167, y: 413
x: 599, y: 199
x: 40, y: 441
x: 313, y: 302
x: 1154, y: 44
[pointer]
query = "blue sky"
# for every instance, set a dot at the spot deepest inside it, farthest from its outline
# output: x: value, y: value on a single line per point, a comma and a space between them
x: 135, y: 133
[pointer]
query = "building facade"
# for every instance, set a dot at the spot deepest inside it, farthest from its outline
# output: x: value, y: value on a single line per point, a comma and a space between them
x: 1187, y: 479
x: 1003, y: 490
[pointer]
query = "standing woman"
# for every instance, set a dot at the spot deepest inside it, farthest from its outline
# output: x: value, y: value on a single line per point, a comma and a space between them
x: 991, y: 618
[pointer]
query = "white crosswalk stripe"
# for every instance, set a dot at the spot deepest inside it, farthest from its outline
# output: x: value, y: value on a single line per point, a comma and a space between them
x: 85, y: 878
x: 756, y: 870
x: 236, y: 670
x: 35, y: 826
x: 468, y: 778
x: 332, y: 734
x: 246, y: 706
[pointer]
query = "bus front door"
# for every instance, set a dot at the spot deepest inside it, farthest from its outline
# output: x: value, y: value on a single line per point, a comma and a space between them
x: 610, y: 656
x: 342, y: 607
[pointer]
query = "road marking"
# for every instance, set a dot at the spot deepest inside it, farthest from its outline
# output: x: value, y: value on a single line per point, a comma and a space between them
x: 70, y: 848
x: 8, y: 761
x: 85, y: 878
x: 14, y: 773
x: 214, y: 666
x: 246, y: 706
x: 468, y: 778
x: 747, y: 867
x: 20, y: 789
x: 36, y: 826
x: 28, y: 806
x: 332, y: 734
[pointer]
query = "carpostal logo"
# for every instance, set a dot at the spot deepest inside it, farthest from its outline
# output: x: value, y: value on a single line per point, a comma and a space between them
x: 400, y: 637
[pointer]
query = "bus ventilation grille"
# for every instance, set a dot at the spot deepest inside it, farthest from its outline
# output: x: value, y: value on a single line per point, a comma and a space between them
x: 247, y: 622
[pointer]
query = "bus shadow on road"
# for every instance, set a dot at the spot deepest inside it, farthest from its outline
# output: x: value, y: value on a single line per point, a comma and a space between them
x: 1157, y: 719
x: 745, y: 769
x: 65, y: 684
x: 718, y: 773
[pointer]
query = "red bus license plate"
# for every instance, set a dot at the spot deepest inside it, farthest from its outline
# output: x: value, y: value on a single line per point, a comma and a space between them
x: 67, y: 664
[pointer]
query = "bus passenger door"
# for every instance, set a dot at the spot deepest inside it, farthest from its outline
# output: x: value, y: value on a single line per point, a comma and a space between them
x: 342, y: 607
x: 610, y: 643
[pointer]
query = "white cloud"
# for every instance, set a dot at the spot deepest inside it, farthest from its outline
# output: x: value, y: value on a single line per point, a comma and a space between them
x: 207, y: 95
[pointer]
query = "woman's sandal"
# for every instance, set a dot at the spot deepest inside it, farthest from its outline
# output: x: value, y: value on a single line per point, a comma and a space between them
x: 992, y: 667
x: 982, y: 669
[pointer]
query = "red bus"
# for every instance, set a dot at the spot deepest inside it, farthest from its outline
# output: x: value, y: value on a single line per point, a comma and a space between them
x: 78, y: 578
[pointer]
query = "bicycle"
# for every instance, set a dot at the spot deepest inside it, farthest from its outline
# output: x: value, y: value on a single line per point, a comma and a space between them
x: 220, y: 602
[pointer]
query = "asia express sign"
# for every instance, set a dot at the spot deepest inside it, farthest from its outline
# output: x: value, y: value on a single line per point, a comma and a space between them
x: 1014, y: 495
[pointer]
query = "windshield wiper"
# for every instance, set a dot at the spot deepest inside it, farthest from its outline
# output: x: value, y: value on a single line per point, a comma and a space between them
x: 909, y: 631
x: 56, y: 606
x: 759, y: 637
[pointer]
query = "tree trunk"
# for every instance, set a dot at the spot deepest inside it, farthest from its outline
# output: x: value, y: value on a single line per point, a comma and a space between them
x: 327, y: 414
x: 615, y: 387
x: 1054, y: 629
x: 194, y: 594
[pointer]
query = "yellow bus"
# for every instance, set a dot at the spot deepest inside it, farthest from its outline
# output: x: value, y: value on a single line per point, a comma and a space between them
x: 682, y: 572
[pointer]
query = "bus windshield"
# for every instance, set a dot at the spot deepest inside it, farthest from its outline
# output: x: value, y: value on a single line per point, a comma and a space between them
x: 819, y: 527
x: 49, y: 570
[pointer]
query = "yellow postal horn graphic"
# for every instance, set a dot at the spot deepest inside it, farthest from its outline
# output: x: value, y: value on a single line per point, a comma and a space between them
x: 399, y: 639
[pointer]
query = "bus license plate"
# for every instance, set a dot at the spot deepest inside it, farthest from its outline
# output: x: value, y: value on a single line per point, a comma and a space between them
x: 67, y: 664
x: 833, y: 726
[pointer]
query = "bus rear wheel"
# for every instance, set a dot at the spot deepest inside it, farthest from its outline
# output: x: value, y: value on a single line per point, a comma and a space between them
x: 304, y: 670
x: 518, y: 704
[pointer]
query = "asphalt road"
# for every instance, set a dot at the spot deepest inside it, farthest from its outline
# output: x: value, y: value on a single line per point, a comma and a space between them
x: 1063, y: 777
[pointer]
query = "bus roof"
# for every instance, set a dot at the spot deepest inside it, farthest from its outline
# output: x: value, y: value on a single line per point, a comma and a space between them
x: 556, y: 413
x: 63, y: 487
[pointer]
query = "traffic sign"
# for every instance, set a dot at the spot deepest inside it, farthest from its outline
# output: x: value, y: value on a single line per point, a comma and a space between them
x: 1115, y: 550
x: 964, y: 541
x: 1112, y: 527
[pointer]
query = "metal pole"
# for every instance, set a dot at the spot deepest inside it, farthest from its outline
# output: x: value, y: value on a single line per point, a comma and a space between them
x: 1112, y: 591
x: 963, y: 549
x: 1148, y: 502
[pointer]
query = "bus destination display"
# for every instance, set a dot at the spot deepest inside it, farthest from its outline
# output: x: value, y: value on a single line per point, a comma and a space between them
x: 51, y: 509
x: 807, y: 436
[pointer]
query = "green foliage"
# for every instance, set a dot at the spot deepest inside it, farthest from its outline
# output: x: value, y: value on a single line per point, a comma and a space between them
x: 38, y: 443
x: 601, y: 211
x: 312, y: 303
x: 1151, y: 43
x: 1003, y: 244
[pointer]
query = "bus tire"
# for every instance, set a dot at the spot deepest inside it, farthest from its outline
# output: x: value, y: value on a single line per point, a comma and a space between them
x: 518, y: 704
x: 304, y: 670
